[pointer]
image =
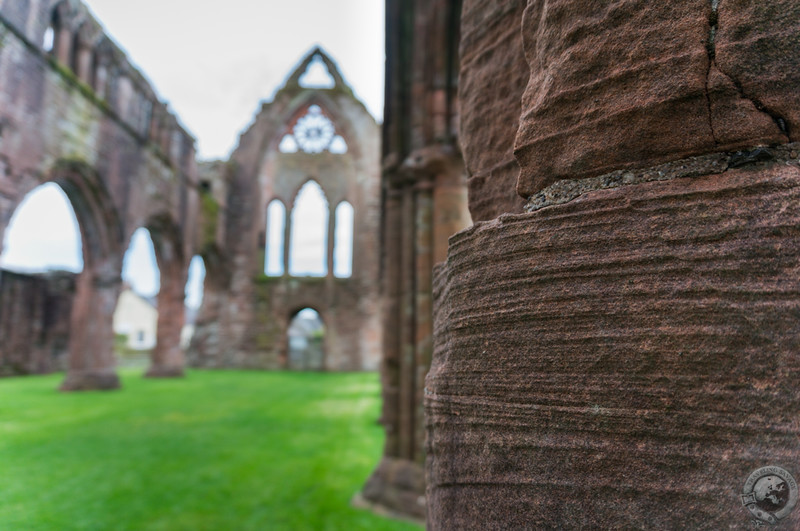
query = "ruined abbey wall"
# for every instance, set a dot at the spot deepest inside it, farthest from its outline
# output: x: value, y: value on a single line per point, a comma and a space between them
x: 623, y: 354
x: 246, y: 313
x: 74, y: 111
x: 34, y: 322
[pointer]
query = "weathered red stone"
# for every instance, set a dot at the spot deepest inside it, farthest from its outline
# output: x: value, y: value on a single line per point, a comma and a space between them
x: 629, y: 84
x: 625, y: 360
x: 494, y: 74
x: 246, y: 315
x: 34, y: 322
x: 755, y: 46
x: 97, y: 129
x: 625, y: 354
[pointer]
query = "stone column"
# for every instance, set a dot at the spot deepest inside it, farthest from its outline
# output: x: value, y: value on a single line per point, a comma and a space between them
x: 408, y: 336
x: 331, y: 239
x: 167, y: 359
x: 624, y: 354
x: 287, y: 235
x: 390, y: 368
x: 91, y: 364
x: 423, y: 310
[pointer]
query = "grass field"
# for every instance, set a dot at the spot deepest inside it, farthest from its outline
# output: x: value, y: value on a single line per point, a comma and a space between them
x: 215, y: 451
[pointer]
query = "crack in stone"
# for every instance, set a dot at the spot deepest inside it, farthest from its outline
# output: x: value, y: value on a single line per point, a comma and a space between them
x: 713, y: 21
x: 780, y: 122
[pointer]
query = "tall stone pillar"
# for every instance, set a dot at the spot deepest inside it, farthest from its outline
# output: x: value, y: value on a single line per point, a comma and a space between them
x: 91, y: 362
x: 167, y: 360
x: 625, y: 353
x: 390, y: 367
x: 423, y: 309
x: 410, y: 239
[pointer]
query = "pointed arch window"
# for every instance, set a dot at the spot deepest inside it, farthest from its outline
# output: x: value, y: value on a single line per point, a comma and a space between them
x: 343, y: 241
x: 276, y: 226
x: 309, y: 237
x: 48, y: 40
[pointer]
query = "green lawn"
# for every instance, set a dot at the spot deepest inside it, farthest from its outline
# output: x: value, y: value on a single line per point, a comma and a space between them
x: 216, y: 451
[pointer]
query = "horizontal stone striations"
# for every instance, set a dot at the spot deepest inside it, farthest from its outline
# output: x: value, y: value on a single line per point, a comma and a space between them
x: 624, y: 360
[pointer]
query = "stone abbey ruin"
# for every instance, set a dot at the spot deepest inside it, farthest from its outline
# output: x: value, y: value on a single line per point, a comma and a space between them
x: 578, y: 254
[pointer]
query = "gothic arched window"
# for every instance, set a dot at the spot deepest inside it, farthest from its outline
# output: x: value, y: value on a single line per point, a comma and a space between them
x: 308, y: 249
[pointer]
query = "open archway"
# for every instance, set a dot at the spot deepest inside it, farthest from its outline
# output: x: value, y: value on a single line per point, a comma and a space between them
x: 136, y: 313
x: 306, y: 340
x: 90, y: 359
x: 39, y: 259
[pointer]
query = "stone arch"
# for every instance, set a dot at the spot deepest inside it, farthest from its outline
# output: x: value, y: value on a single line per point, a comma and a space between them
x: 167, y: 359
x: 91, y: 359
x: 313, y: 355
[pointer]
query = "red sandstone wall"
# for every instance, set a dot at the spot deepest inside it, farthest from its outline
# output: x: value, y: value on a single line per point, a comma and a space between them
x: 244, y: 321
x: 493, y: 77
x: 82, y: 116
x: 625, y: 355
x: 34, y: 322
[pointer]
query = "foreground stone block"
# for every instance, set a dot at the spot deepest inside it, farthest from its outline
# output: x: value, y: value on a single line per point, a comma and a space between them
x: 624, y: 360
x: 631, y: 84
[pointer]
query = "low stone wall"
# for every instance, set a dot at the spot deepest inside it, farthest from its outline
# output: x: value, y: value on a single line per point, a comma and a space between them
x: 34, y: 322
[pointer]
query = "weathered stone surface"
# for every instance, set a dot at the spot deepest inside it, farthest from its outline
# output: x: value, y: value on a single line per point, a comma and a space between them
x: 246, y: 315
x: 424, y: 203
x: 624, y: 360
x: 494, y: 74
x: 398, y: 485
x: 755, y: 45
x: 34, y: 322
x: 630, y: 83
x: 82, y: 116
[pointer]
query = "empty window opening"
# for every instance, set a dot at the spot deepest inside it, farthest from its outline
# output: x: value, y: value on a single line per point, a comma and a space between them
x: 338, y: 145
x: 309, y: 237
x: 48, y: 40
x: 194, y: 283
x: 306, y: 341
x: 343, y: 242
x: 317, y: 75
x: 194, y: 298
x: 288, y: 145
x: 276, y: 226
x: 139, y: 267
x: 43, y: 234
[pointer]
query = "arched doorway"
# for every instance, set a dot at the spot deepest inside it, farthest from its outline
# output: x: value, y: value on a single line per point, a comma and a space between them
x: 306, y: 337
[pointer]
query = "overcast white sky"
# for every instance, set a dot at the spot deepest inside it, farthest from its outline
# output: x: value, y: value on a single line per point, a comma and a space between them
x: 214, y: 62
